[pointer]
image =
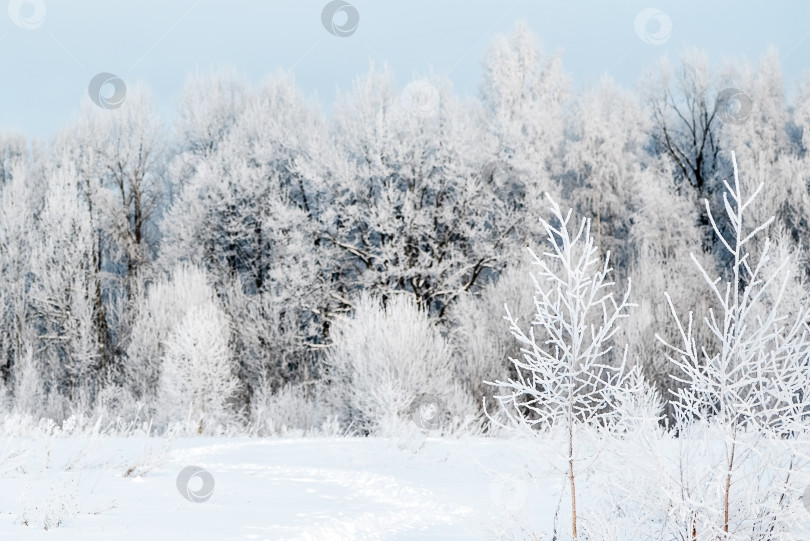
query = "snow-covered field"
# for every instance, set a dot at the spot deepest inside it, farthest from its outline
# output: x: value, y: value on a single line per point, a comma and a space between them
x: 471, y: 488
x: 126, y: 489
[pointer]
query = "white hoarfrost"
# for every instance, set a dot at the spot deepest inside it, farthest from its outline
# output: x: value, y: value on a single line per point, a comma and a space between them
x: 390, y: 363
x: 198, y: 368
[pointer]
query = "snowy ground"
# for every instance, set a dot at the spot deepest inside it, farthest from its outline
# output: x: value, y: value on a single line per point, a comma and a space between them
x: 122, y: 489
x: 272, y: 489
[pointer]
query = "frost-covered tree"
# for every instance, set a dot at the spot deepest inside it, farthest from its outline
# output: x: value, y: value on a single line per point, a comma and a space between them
x: 603, y: 160
x: 663, y: 231
x: 198, y: 375
x: 159, y: 307
x: 252, y: 219
x: 116, y: 155
x: 412, y: 211
x: 800, y: 117
x: 19, y: 204
x: 385, y: 359
x: 563, y: 379
x: 481, y: 348
x: 211, y: 104
x: 180, y: 361
x: 765, y: 152
x: 61, y: 278
x: 684, y: 108
x: 13, y: 152
x: 282, y: 216
x: 749, y: 387
x: 28, y: 386
x: 523, y: 94
x: 131, y: 157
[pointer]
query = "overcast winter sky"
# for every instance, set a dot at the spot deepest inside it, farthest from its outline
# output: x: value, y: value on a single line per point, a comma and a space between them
x: 46, y: 69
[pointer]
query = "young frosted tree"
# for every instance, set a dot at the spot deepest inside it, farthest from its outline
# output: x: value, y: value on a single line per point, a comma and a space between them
x: 386, y: 358
x: 159, y: 307
x: 563, y: 378
x: 750, y: 389
x: 198, y: 377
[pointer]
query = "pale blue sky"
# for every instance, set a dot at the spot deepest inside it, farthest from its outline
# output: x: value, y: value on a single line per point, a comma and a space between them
x: 45, y: 71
